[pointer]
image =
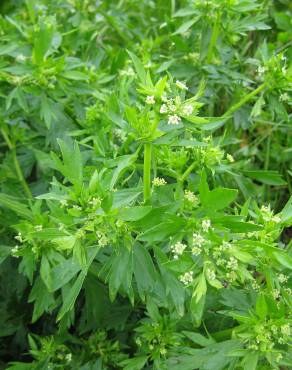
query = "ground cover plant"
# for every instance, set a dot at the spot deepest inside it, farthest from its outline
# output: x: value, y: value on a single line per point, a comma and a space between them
x: 145, y: 184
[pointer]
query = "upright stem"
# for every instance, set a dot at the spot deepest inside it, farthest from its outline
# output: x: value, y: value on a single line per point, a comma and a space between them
x: 214, y: 37
x: 147, y: 171
x: 244, y: 100
x: 19, y: 173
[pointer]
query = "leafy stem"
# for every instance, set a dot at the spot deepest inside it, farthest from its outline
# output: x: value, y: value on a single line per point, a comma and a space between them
x: 244, y: 100
x: 147, y: 171
x: 214, y: 37
x: 18, y: 170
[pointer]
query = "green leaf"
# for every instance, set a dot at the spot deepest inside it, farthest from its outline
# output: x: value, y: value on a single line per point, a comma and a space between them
x: 134, y: 213
x: 43, y: 37
x: 198, y: 338
x: 75, y: 75
x: 185, y: 26
x: 261, y: 306
x: 73, y: 292
x: 70, y: 298
x: 119, y: 273
x: 4, y: 252
x: 16, y: 206
x: 45, y: 272
x: 136, y: 363
x: 144, y: 270
x: 250, y: 361
x: 138, y: 67
x: 266, y: 177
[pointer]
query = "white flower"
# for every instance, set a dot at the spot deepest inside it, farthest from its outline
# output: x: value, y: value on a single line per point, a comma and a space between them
x: 206, y: 224
x: 181, y: 85
x: 158, y: 181
x: 230, y: 158
x: 210, y: 274
x: 284, y: 71
x: 284, y: 97
x: 276, y: 219
x: 196, y: 251
x: 63, y: 203
x: 163, y: 109
x: 191, y: 197
x: 198, y: 240
x: 187, y: 278
x: 282, y: 278
x: 68, y: 357
x: 150, y: 100
x: 174, y: 120
x: 255, y: 285
x: 285, y: 329
x: 224, y: 246
x: 188, y: 110
x: 232, y: 264
x: 102, y: 239
x: 20, y: 58
x: 77, y: 208
x: 172, y: 107
x: 38, y: 227
x: 276, y: 293
x: 231, y: 276
x: 14, y: 250
x: 261, y: 70
x: 95, y: 202
x: 178, y: 248
x: 127, y: 72
x: 19, y: 237
x: 164, y: 98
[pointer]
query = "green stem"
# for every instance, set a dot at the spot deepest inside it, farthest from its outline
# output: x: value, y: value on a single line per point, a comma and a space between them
x: 147, y: 171
x: 19, y: 173
x: 214, y: 37
x: 244, y: 100
x: 188, y: 171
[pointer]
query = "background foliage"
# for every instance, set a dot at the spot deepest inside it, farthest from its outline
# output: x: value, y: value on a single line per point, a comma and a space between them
x: 145, y: 179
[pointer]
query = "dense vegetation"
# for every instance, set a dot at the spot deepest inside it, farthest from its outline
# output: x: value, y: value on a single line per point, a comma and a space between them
x: 145, y: 183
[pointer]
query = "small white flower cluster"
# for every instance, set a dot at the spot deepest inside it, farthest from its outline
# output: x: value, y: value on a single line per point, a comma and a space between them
x: 232, y: 264
x: 19, y: 237
x: 127, y: 72
x: 158, y: 181
x: 284, y: 97
x: 174, y: 119
x: 150, y: 100
x: 206, y: 224
x: 276, y: 294
x: 268, y: 215
x: 210, y: 274
x: 181, y: 85
x: 191, y: 197
x: 95, y: 202
x: 187, y: 278
x: 198, y: 241
x: 68, y: 357
x: 102, y: 239
x: 225, y: 246
x: 14, y: 250
x: 63, y: 203
x: 286, y: 330
x: 178, y: 249
x: 38, y: 227
x: 230, y: 158
x: 282, y: 278
x: 76, y: 207
x: 261, y: 70
x: 20, y: 58
x: 187, y: 110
